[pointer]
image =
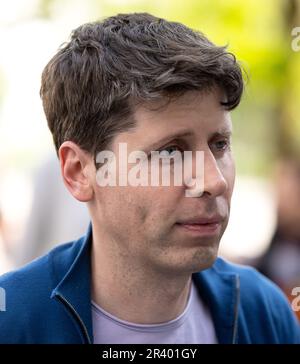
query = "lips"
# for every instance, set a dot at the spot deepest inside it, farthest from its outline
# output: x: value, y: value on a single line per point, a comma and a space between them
x: 202, y: 226
x: 201, y: 221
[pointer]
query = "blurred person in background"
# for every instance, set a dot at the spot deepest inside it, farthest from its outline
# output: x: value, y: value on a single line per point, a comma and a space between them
x: 281, y: 262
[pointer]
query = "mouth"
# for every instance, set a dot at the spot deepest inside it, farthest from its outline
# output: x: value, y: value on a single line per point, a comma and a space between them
x: 201, y: 227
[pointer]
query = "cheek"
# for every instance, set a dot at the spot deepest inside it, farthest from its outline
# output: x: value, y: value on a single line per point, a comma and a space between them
x: 122, y: 212
x: 155, y: 207
x: 227, y: 168
x: 142, y: 211
x: 231, y: 176
x: 125, y: 205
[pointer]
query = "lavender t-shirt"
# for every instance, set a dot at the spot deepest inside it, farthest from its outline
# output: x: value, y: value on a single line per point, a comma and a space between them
x: 193, y: 326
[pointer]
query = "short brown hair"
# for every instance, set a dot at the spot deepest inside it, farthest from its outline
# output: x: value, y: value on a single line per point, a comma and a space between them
x: 90, y: 86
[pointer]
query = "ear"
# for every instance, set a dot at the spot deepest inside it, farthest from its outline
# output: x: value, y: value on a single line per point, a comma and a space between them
x: 76, y: 165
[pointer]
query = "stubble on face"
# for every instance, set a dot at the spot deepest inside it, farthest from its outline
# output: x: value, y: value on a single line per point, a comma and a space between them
x: 140, y: 221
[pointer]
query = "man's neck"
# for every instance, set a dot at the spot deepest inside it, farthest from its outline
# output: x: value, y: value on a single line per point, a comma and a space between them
x: 134, y: 293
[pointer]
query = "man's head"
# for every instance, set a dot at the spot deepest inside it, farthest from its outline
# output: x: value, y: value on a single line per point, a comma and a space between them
x: 137, y: 79
x: 91, y: 86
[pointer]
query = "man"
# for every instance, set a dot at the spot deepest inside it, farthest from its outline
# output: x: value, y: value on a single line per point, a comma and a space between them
x: 147, y: 271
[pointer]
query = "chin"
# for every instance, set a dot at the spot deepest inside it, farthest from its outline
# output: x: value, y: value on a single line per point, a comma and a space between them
x: 204, y: 259
x: 200, y: 260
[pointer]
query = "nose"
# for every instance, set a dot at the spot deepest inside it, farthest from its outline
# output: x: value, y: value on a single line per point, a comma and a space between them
x: 214, y: 182
x: 205, y: 176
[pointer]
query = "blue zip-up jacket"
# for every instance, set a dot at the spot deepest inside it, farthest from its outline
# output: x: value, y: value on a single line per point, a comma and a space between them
x: 49, y: 301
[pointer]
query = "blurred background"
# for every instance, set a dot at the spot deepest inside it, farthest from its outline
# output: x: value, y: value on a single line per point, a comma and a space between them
x: 37, y: 213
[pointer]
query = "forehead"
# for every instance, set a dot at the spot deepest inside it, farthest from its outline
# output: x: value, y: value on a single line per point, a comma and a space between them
x: 195, y: 114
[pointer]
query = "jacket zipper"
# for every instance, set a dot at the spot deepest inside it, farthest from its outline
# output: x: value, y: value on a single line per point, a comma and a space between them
x: 75, y: 314
x: 236, y: 308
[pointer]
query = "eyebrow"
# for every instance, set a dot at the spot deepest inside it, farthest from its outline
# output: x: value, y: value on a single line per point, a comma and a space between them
x: 187, y: 133
x: 169, y: 138
x: 221, y: 133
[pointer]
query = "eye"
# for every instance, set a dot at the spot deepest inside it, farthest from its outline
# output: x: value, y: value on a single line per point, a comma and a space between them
x: 222, y: 145
x: 170, y: 151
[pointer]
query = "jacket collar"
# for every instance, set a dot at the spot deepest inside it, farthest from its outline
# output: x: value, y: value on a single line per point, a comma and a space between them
x: 218, y: 288
x: 74, y: 289
x: 220, y: 291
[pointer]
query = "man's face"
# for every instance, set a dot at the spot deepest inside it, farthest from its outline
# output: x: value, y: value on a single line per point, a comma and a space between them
x: 158, y: 226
